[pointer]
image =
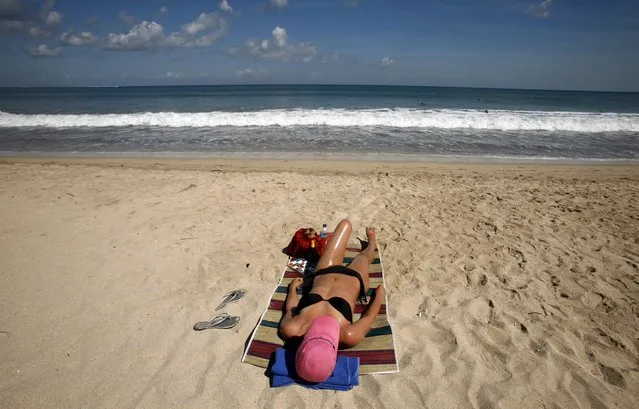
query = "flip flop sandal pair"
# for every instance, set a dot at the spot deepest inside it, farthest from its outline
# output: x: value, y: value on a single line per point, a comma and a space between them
x: 224, y: 320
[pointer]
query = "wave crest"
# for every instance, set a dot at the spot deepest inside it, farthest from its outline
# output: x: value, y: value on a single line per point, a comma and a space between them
x: 390, y: 118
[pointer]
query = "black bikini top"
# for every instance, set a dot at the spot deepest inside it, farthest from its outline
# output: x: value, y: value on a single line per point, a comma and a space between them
x: 338, y: 303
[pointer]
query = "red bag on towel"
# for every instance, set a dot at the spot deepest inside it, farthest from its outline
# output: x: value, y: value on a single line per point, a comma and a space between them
x: 306, y: 244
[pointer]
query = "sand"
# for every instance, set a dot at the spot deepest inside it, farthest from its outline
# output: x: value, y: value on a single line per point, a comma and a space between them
x: 510, y: 286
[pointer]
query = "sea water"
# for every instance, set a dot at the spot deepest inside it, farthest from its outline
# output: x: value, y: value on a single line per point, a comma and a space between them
x: 365, y: 121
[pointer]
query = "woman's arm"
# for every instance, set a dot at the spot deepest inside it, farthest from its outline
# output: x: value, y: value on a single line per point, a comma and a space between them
x: 287, y: 327
x: 356, y: 332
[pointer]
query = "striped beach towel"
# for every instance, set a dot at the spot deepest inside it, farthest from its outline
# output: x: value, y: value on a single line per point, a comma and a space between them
x: 376, y: 352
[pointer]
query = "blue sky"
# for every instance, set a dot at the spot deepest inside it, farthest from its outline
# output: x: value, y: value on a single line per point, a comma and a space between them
x: 547, y: 44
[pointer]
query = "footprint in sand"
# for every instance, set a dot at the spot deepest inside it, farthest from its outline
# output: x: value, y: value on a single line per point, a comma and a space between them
x: 610, y: 340
x: 368, y: 395
x: 539, y: 348
x: 476, y: 278
x: 445, y: 338
x: 592, y: 300
x: 579, y: 390
x: 612, y: 376
x: 408, y: 392
x: 487, y: 228
x: 481, y: 309
x: 429, y: 308
x: 518, y: 255
x: 281, y: 398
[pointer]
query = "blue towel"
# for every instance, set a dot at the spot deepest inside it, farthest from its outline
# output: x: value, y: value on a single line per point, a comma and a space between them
x: 344, y: 377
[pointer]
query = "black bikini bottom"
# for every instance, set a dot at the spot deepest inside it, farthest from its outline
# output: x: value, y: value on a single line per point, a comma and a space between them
x: 338, y: 303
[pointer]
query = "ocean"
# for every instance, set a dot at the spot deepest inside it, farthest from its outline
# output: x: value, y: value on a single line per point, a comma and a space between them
x: 321, y: 121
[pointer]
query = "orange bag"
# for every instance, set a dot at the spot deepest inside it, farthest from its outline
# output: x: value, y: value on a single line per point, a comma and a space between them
x: 305, y: 244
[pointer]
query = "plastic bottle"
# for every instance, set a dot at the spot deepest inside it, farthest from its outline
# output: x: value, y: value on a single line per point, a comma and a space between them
x: 324, y: 232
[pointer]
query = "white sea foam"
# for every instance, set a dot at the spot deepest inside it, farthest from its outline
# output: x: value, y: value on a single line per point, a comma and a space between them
x: 393, y: 118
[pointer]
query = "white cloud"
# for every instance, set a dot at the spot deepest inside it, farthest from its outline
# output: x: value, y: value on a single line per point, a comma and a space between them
x: 126, y: 17
x: 82, y: 38
x: 212, y: 24
x: 279, y: 36
x: 53, y: 18
x: 173, y: 75
x: 277, y: 48
x: 540, y: 10
x: 208, y: 39
x: 386, y: 62
x: 145, y: 35
x: 13, y: 18
x: 49, y: 16
x: 176, y: 39
x: 244, y: 73
x: 250, y: 73
x: 277, y: 4
x: 202, y: 32
x: 224, y: 5
x: 43, y: 50
x: 164, y: 10
x: 204, y: 22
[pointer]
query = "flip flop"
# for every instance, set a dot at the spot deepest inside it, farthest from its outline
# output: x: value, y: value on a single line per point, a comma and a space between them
x: 222, y: 321
x: 233, y: 296
x: 363, y: 243
x: 211, y: 323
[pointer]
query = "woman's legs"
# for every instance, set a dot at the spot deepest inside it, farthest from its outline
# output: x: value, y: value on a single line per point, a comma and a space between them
x: 361, y: 263
x: 336, y: 247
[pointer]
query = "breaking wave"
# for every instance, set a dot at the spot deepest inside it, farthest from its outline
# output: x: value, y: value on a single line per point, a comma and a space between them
x: 503, y: 120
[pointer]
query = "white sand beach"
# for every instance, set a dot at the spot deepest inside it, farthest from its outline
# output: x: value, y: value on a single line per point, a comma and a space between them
x: 510, y: 286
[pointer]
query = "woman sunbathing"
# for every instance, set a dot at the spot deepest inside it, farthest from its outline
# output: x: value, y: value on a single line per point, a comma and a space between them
x: 324, y: 315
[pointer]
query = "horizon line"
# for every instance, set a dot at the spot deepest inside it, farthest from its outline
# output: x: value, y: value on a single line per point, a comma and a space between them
x: 315, y: 85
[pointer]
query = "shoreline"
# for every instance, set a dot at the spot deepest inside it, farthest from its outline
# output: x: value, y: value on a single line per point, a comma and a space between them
x: 350, y: 165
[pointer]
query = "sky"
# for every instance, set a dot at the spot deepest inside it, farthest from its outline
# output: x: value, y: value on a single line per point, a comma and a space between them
x: 539, y: 44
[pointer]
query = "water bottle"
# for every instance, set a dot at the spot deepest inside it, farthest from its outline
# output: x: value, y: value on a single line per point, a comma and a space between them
x: 324, y: 232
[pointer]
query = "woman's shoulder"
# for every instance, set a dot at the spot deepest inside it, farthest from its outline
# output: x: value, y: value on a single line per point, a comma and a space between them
x: 291, y: 328
x: 348, y: 337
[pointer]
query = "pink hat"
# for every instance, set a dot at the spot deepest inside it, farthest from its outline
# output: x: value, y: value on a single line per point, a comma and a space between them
x: 316, y: 356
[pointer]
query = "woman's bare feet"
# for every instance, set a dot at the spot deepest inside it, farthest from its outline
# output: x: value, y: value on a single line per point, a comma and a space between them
x: 372, y: 241
x: 370, y: 233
